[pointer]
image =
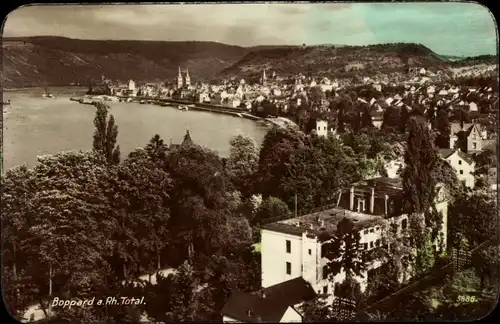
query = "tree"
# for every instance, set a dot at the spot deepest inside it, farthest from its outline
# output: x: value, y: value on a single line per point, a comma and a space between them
x: 156, y: 148
x: 201, y: 201
x: 70, y: 198
x: 486, y: 264
x: 445, y: 174
x: 443, y: 129
x: 187, y: 139
x: 419, y: 183
x: 140, y: 200
x: 243, y: 162
x: 460, y: 115
x: 390, y: 119
x: 277, y: 149
x: 271, y: 208
x: 105, y: 135
x: 316, y: 310
x: 404, y: 116
x: 475, y: 229
x: 224, y: 273
x: 366, y: 117
x: 343, y: 253
x: 177, y: 294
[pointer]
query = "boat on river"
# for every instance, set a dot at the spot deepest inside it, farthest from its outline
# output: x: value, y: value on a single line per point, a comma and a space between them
x: 183, y: 107
x: 47, y: 94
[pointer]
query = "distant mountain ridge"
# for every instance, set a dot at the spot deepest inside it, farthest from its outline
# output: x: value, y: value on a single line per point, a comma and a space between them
x: 52, y: 61
x: 47, y: 60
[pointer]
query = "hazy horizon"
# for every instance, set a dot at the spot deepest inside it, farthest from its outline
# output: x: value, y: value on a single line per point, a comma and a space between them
x: 452, y: 29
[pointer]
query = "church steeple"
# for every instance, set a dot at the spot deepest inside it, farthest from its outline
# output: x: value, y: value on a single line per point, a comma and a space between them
x: 264, y: 78
x: 188, y: 79
x: 180, y: 82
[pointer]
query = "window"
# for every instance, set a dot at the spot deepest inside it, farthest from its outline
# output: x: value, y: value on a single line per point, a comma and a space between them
x: 372, y: 230
x: 404, y: 223
x: 325, y: 290
x: 309, y: 251
x: 325, y: 272
x: 301, y: 268
x: 365, y: 231
x: 371, y: 245
x: 460, y: 162
x: 377, y: 228
x: 288, y: 268
x: 288, y: 246
x: 461, y: 171
x: 474, y: 145
x: 325, y: 128
x: 366, y: 246
x: 377, y: 243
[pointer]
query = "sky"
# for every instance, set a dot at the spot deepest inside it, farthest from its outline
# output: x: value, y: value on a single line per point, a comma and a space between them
x: 453, y: 28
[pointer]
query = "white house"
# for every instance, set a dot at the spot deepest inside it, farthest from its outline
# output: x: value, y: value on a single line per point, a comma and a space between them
x: 292, y: 248
x: 472, y: 106
x: 236, y: 103
x: 473, y: 136
x: 463, y: 165
x: 322, y: 128
x: 131, y: 85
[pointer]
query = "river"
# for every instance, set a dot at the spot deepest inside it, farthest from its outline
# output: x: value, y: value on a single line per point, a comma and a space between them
x: 36, y: 126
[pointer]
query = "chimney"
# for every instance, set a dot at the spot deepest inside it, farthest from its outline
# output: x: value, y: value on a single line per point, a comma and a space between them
x: 386, y: 207
x: 351, y: 199
x: 372, y: 201
x: 249, y: 313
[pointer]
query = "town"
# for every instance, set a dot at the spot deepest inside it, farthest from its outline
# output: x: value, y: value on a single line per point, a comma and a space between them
x: 366, y: 207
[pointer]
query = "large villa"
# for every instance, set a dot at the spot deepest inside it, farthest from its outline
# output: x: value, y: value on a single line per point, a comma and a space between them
x: 293, y: 268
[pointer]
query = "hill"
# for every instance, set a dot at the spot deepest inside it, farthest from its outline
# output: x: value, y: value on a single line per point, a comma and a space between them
x: 341, y: 61
x: 476, y: 60
x: 52, y: 61
x: 39, y: 61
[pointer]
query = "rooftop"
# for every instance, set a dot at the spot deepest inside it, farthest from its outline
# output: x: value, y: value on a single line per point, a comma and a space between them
x: 382, y: 186
x: 270, y: 304
x: 323, y: 222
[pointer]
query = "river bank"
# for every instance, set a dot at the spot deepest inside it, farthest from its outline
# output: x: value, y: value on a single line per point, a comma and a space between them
x: 171, y: 103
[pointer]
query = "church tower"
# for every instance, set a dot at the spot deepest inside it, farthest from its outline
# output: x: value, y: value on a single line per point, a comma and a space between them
x: 264, y: 78
x: 180, y: 82
x: 188, y: 79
